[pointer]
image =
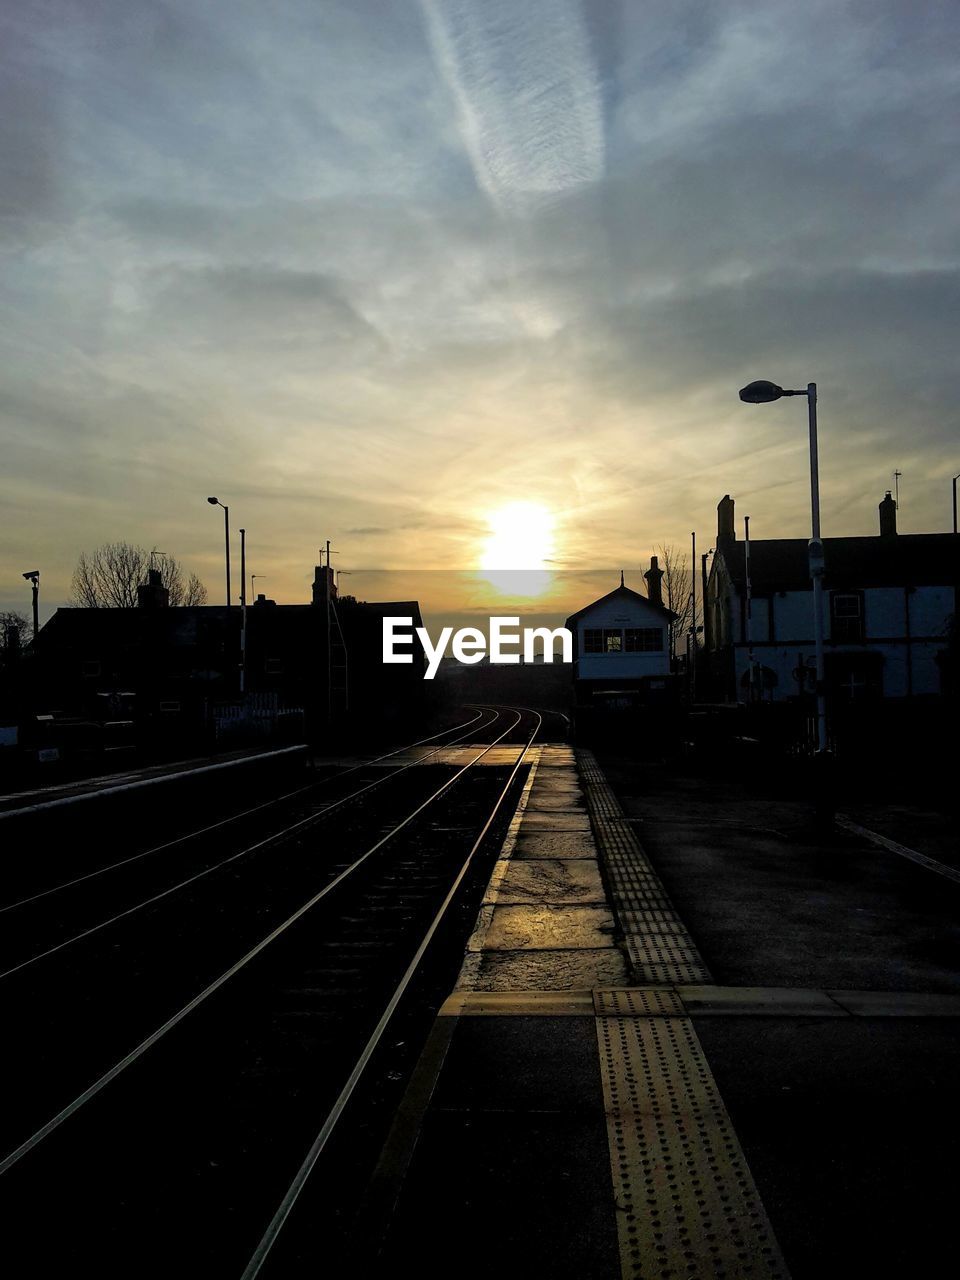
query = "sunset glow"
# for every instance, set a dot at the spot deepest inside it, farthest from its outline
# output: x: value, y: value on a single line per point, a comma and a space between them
x: 518, y: 551
x: 521, y: 537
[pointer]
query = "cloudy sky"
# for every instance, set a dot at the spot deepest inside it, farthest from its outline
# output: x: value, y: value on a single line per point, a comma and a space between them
x: 373, y: 270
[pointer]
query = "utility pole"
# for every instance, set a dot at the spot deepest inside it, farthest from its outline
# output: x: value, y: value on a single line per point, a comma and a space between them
x: 703, y: 597
x: 326, y: 592
x: 816, y: 558
x: 746, y: 564
x: 243, y: 610
x: 693, y: 619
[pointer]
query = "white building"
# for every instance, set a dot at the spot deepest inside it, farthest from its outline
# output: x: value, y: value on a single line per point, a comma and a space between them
x: 621, y: 641
x: 888, y: 605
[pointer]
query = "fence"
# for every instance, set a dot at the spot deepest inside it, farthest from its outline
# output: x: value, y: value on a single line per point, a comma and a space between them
x: 255, y: 717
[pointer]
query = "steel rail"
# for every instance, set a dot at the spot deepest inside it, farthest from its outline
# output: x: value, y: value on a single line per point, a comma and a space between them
x: 274, y: 838
x: 119, y: 788
x: 98, y: 1085
x: 256, y: 1262
x: 234, y: 817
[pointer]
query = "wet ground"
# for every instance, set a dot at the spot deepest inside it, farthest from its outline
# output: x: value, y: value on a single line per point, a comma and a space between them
x: 850, y: 1125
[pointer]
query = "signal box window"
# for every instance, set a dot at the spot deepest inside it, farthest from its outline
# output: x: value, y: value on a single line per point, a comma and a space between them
x: 613, y: 641
x: 643, y: 639
x: 592, y: 640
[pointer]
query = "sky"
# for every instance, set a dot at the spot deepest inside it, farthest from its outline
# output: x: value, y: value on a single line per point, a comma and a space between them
x: 374, y: 271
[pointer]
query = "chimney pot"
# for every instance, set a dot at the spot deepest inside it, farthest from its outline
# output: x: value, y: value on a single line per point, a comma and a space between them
x: 653, y: 576
x: 321, y: 591
x: 152, y: 594
x: 888, y: 517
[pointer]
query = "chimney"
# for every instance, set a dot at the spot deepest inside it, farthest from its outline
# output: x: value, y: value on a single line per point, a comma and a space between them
x: 653, y: 576
x: 725, y: 524
x: 153, y: 594
x: 319, y: 589
x: 888, y: 517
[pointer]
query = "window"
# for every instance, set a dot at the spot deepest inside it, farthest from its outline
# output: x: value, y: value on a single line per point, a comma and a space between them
x: 643, y: 639
x: 846, y: 616
x: 615, y: 640
x: 273, y: 667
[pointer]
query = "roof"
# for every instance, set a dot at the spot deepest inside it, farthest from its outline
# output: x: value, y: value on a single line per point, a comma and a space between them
x: 625, y: 593
x: 74, y: 625
x: 903, y: 559
x: 389, y: 608
x: 361, y: 620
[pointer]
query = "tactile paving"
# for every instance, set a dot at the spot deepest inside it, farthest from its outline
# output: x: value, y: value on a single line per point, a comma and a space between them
x: 657, y: 943
x: 672, y: 957
x: 686, y: 1202
x: 629, y: 1002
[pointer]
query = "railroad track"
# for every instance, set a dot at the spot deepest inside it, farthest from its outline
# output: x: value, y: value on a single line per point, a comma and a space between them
x: 35, y: 927
x: 180, y: 1066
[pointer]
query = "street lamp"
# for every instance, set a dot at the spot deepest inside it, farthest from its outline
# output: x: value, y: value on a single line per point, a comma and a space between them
x: 763, y: 393
x: 33, y: 577
x: 215, y: 502
x: 955, y: 479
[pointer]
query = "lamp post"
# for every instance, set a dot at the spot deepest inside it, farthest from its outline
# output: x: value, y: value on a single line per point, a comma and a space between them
x: 955, y: 479
x: 215, y: 502
x: 33, y: 577
x: 751, y: 691
x: 243, y: 610
x: 692, y: 651
x: 763, y: 393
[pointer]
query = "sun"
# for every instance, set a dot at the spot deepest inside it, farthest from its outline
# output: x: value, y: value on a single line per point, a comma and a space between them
x: 519, y: 548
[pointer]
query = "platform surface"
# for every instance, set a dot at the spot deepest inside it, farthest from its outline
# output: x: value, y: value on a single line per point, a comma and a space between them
x: 684, y: 1043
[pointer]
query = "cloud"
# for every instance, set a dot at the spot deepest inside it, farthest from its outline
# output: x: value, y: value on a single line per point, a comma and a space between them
x: 371, y: 270
x: 525, y: 85
x: 263, y: 307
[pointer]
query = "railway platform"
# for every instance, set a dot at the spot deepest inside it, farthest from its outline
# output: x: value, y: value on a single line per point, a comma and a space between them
x: 71, y: 791
x: 690, y: 1038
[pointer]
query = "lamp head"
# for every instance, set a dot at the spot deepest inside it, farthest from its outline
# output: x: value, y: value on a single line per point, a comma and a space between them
x: 761, y: 392
x: 32, y: 575
x: 214, y: 502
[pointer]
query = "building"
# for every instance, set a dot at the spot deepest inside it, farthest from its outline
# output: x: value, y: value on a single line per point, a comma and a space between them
x: 177, y: 671
x: 621, y: 642
x: 888, y: 607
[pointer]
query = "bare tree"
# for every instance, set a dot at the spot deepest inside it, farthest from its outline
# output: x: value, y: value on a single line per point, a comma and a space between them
x: 677, y: 588
x: 193, y: 593
x: 110, y: 576
x: 13, y: 623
